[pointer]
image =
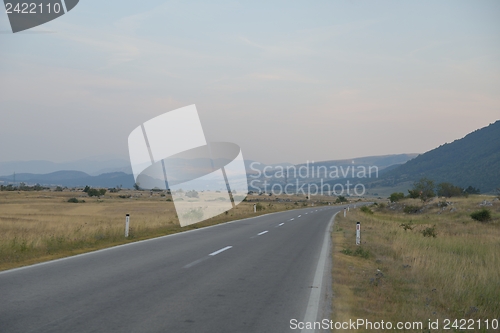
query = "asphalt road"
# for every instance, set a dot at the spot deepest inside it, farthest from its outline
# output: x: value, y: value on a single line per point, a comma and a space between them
x: 252, y: 275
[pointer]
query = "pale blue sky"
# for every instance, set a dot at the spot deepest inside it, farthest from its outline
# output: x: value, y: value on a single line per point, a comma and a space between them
x: 288, y: 81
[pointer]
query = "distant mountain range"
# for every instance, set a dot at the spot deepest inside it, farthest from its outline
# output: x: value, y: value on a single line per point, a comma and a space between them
x: 473, y: 160
x: 91, y: 166
x: 72, y: 179
x: 115, y: 177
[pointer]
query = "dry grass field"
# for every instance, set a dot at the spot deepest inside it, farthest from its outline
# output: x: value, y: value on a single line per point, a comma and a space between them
x: 39, y: 226
x: 400, y: 275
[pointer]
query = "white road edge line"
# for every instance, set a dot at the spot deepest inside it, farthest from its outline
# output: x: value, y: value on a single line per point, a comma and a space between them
x: 281, y: 224
x: 219, y: 251
x: 263, y: 232
x: 312, y: 309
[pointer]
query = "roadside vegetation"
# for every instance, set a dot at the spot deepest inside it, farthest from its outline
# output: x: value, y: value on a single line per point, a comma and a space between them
x: 438, y: 259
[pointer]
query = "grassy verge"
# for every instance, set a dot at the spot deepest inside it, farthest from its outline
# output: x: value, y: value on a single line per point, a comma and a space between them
x: 40, y: 226
x: 432, y: 262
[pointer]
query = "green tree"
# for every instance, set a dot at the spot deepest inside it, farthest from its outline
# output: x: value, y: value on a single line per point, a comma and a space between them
x: 423, y: 189
x: 449, y: 190
x: 414, y: 194
x: 473, y: 190
x: 340, y: 199
x: 396, y: 196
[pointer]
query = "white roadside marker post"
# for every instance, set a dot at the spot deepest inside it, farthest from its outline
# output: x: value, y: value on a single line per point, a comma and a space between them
x: 344, y: 212
x: 254, y: 208
x: 348, y: 208
x: 358, y: 233
x: 127, y: 224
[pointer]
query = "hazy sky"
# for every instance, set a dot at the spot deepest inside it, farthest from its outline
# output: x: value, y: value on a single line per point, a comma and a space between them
x: 288, y: 81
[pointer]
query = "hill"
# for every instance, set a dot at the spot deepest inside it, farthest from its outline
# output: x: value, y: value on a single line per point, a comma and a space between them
x: 93, y: 166
x: 473, y: 160
x: 73, y: 179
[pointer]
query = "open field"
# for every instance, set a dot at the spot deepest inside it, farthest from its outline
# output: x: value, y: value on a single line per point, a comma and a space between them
x: 399, y: 275
x: 39, y: 226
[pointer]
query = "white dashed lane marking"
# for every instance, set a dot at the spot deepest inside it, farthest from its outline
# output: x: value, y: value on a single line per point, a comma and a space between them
x: 219, y: 251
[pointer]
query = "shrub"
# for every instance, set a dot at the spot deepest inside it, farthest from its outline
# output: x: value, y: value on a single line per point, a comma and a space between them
x: 429, y: 232
x: 481, y: 215
x: 73, y: 200
x: 407, y: 225
x: 194, y: 214
x: 192, y: 194
x: 92, y: 192
x: 340, y: 199
x: 359, y: 252
x: 347, y: 252
x: 423, y: 189
x: 411, y: 209
x: 396, y: 196
x: 366, y: 210
x: 259, y: 207
x: 413, y: 194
